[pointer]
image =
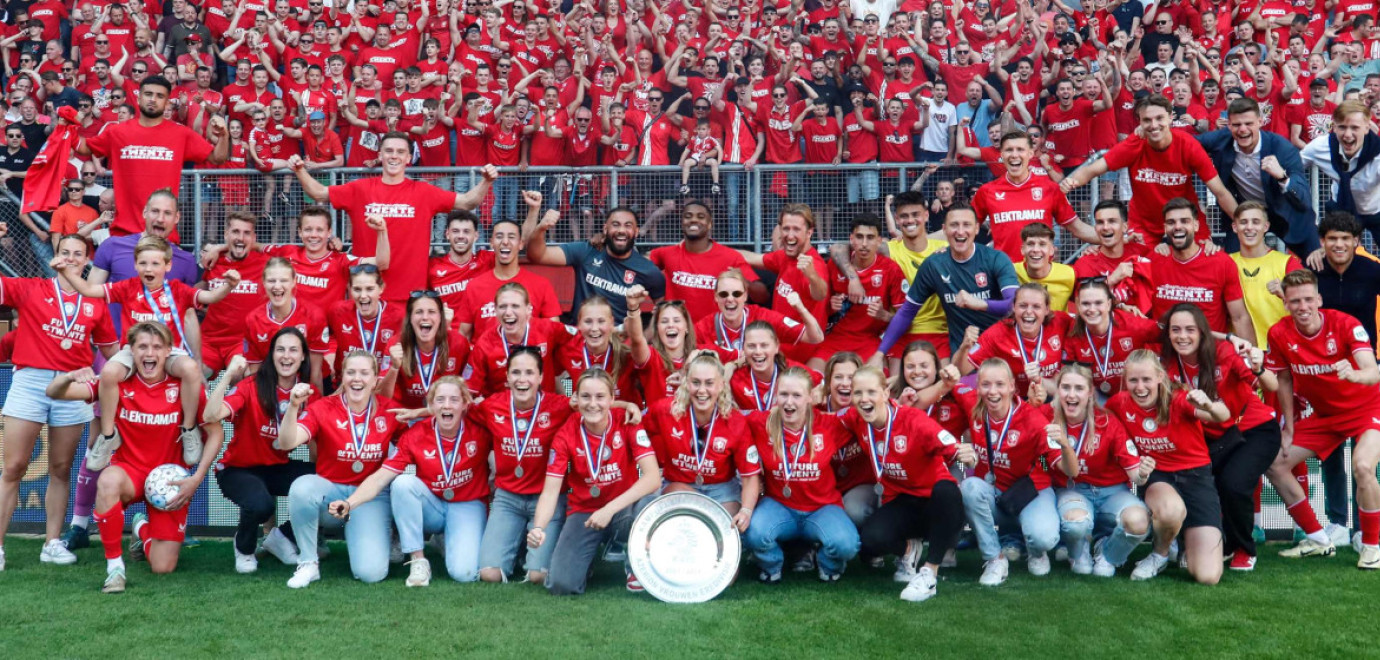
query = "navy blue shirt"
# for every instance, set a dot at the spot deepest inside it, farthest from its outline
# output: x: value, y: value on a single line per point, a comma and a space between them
x: 984, y: 275
x: 598, y: 274
x: 1353, y: 292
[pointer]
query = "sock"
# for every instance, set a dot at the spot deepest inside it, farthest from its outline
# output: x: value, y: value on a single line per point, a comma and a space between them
x: 113, y: 564
x: 145, y: 534
x: 1259, y: 486
x: 1302, y: 513
x: 85, y: 499
x: 81, y: 521
x: 112, y: 526
x: 1370, y: 527
x: 1301, y: 474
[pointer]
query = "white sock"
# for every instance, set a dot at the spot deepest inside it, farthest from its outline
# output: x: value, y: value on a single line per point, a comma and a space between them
x: 1320, y: 536
x: 1158, y: 555
x: 1259, y: 520
x: 117, y: 563
x: 81, y: 521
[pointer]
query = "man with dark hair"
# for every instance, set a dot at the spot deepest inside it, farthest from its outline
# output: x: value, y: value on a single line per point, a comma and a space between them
x: 57, y: 92
x: 148, y: 153
x: 1022, y: 197
x: 1262, y: 166
x: 1190, y: 275
x: 692, y: 267
x: 909, y: 252
x: 1124, y: 265
x: 859, y: 323
x: 607, y: 271
x: 449, y: 274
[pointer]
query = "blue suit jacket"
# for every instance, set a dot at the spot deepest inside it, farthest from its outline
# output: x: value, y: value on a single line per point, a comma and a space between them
x: 1292, y: 206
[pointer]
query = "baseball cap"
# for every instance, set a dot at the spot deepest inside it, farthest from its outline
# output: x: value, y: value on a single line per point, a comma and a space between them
x: 315, y: 115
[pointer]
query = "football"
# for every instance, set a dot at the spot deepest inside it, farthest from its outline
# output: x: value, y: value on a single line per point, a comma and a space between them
x: 158, y: 487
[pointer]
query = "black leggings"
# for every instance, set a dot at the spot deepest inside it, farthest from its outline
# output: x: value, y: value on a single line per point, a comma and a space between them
x: 1239, y: 458
x: 937, y: 519
x: 255, y: 490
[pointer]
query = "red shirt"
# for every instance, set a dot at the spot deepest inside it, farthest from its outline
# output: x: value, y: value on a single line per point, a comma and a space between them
x: 882, y: 281
x: 574, y: 358
x: 471, y: 146
x: 150, y: 422
x: 351, y: 332
x: 323, y: 149
x: 144, y: 160
x: 259, y: 327
x: 223, y: 319
x: 821, y: 140
x: 467, y: 455
x: 1208, y: 281
x: 654, y: 137
x: 489, y: 356
x: 782, y: 146
x: 1004, y: 342
x: 328, y: 420
x: 1070, y: 131
x: 496, y: 413
x: 39, y: 338
x: 1136, y: 290
x: 1236, y: 387
x: 546, y: 150
x: 752, y: 394
x: 692, y: 276
x: 587, y: 461
x: 714, y: 451
x: 862, y: 143
x: 255, y: 431
x: 790, y: 278
x: 582, y: 150
x: 893, y: 141
x: 408, y: 207
x: 1175, y: 445
x: 808, y: 473
x: 1315, y: 122
x: 504, y: 148
x: 321, y: 282
x: 654, y: 377
x: 477, y: 302
x: 714, y: 333
x: 1010, y: 206
x: 912, y: 453
x: 1104, y: 456
x: 1159, y: 176
x: 851, y: 466
x: 1128, y: 333
x: 450, y: 279
x: 133, y: 300
x: 1013, y: 450
x: 1310, y: 361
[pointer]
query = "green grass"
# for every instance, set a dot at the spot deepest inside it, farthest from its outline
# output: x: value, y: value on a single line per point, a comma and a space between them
x: 1319, y: 607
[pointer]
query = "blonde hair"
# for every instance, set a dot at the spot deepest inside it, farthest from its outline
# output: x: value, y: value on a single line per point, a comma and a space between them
x: 1163, y: 395
x: 980, y: 410
x: 149, y: 243
x: 1090, y: 409
x: 621, y: 352
x: 593, y: 374
x: 680, y: 403
x: 731, y: 274
x: 150, y: 328
x: 449, y: 380
x: 357, y: 353
x: 775, y: 423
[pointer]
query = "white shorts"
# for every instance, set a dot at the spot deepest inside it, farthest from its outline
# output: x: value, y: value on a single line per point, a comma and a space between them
x: 125, y: 358
x: 28, y: 401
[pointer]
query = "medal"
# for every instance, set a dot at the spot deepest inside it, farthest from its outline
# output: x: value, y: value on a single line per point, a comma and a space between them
x: 843, y: 471
x: 700, y: 448
x: 357, y: 466
x: 448, y: 462
x: 786, y: 458
x: 594, y: 491
x: 522, y: 433
x: 699, y: 480
x: 722, y: 331
x: 367, y: 337
x: 1001, y: 439
x: 158, y: 314
x: 786, y: 491
x: 608, y: 352
x: 449, y: 494
x: 521, y: 425
x: 517, y: 472
x: 764, y: 404
x: 1101, y: 359
x: 877, y: 488
x: 881, y: 448
x: 1035, y: 355
x: 991, y: 477
x: 503, y: 341
x: 1105, y: 387
x: 425, y: 372
x: 66, y: 344
x: 68, y: 312
x: 358, y: 431
x: 595, y: 462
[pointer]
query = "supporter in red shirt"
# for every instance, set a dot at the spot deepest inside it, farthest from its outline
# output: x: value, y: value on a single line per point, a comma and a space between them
x: 1190, y: 275
x: 1069, y: 124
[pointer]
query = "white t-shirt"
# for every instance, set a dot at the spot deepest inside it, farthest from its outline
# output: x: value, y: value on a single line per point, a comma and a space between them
x: 936, y: 135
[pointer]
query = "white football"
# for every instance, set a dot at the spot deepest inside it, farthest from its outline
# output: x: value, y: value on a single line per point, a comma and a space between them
x: 158, y: 487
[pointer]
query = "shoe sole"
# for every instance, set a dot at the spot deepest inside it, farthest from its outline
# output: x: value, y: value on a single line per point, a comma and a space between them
x: 924, y: 597
x: 1241, y: 569
x: 57, y: 562
x: 1325, y: 553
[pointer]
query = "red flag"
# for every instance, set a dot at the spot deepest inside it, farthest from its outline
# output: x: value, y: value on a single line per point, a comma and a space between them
x: 48, y: 173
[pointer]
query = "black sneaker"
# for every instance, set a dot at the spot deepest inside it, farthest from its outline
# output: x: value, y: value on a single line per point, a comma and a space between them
x: 77, y: 537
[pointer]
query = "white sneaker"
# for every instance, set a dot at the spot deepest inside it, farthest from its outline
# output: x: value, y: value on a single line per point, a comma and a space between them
x: 1309, y: 548
x: 304, y: 575
x: 994, y: 572
x: 1062, y: 553
x: 55, y: 552
x: 1370, y: 557
x: 191, y: 445
x: 1103, y: 568
x: 1174, y: 550
x: 1082, y: 564
x: 921, y: 587
x: 1038, y: 564
x: 245, y: 564
x: 2, y: 559
x: 1149, y: 567
x: 905, y: 564
x: 420, y: 575
x: 395, y: 553
x: 950, y: 559
x: 114, y: 581
x: 277, y: 544
x: 1339, y: 534
x: 100, y: 449
x: 1356, y: 541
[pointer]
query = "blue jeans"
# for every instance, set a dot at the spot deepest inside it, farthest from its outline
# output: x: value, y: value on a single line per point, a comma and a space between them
x: 860, y: 502
x: 505, y: 191
x: 368, y: 534
x: 510, y: 517
x: 863, y: 186
x: 1038, y: 522
x: 773, y: 523
x: 418, y: 512
x: 1102, y: 507
x: 736, y: 229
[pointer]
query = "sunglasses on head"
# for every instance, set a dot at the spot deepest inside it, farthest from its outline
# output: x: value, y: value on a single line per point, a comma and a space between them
x: 364, y: 268
x: 428, y: 293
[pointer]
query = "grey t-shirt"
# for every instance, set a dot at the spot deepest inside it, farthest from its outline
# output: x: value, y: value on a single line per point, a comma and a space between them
x: 598, y: 274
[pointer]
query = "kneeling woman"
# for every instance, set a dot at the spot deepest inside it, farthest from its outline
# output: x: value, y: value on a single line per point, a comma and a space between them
x: 1010, y: 488
x: 352, y: 433
x: 447, y: 493
x: 253, y: 473
x: 795, y: 447
x: 1096, y: 469
x: 1167, y: 427
x: 598, y: 457
x: 909, y: 453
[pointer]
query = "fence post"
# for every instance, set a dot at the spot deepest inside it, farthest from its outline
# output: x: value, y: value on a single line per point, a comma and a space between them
x: 1315, y: 187
x: 613, y: 189
x: 199, y: 226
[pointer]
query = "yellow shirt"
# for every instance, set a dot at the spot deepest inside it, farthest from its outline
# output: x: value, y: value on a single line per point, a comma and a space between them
x: 1266, y: 308
x: 930, y: 319
x: 1059, y: 283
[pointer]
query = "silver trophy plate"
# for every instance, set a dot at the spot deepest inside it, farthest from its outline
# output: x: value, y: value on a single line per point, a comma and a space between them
x: 684, y: 548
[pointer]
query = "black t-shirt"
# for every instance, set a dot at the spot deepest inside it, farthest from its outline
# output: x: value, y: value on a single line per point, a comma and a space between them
x: 35, y: 135
x: 1353, y: 292
x: 598, y: 274
x: 16, y: 162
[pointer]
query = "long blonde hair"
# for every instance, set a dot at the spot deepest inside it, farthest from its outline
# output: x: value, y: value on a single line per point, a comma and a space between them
x: 680, y: 403
x: 980, y: 410
x: 1090, y: 408
x: 775, y: 423
x: 1164, y: 396
x: 619, y: 359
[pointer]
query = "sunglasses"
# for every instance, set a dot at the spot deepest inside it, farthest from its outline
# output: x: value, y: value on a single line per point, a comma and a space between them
x: 778, y: 96
x: 364, y: 268
x: 88, y: 174
x: 76, y: 190
x: 962, y: 52
x: 702, y: 107
x: 428, y: 293
x: 725, y: 295
x: 15, y: 136
x: 888, y: 64
x: 654, y: 98
x: 870, y: 20
x: 139, y: 71
x: 1162, y: 22
x: 100, y: 42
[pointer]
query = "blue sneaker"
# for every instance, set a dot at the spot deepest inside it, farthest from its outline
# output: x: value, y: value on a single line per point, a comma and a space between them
x: 76, y: 538
x: 1258, y: 534
x: 190, y: 541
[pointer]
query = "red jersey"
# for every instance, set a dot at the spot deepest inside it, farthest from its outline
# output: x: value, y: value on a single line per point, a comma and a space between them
x: 1004, y: 342
x: 575, y: 358
x: 1177, y: 444
x: 782, y: 146
x: 1070, y: 131
x: 713, y: 452
x: 477, y: 301
x: 167, y: 306
x: 1236, y: 387
x: 1011, y: 447
x: 320, y: 282
x: 1136, y: 290
x: 655, y: 378
x: 336, y: 431
x: 1010, y: 206
x: 851, y: 466
x: 259, y: 327
x: 150, y: 421
x: 454, y: 469
x: 255, y: 432
x: 471, y: 146
x: 1106, y: 354
x: 410, y: 389
x: 223, y: 319
x: 489, y: 356
x: 1105, y: 453
x: 504, y: 148
x: 893, y: 140
x: 1159, y: 176
x: 804, y: 481
x: 911, y: 454
x: 790, y: 278
x: 692, y: 276
x: 862, y: 143
x: 52, y: 317
x: 882, y: 281
x: 145, y: 159
x: 597, y: 468
x: 517, y: 435
x: 1208, y: 281
x: 714, y: 333
x: 752, y: 394
x: 1311, y: 362
x: 449, y: 279
x: 353, y: 332
x: 408, y: 207
x: 654, y: 137
x: 821, y: 139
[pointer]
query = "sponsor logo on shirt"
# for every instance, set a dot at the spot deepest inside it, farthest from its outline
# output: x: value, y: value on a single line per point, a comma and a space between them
x: 1161, y: 178
x: 391, y: 210
x: 142, y: 152
x: 694, y: 281
x: 1188, y: 294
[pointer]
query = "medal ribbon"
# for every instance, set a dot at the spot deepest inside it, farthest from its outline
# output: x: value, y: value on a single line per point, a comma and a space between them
x: 879, y: 457
x: 425, y: 372
x: 503, y: 340
x: 608, y: 352
x: 357, y: 438
x: 1001, y: 439
x: 722, y: 330
x: 158, y: 313
x: 1103, y: 359
x: 1035, y: 354
x: 62, y: 310
x: 372, y: 338
x: 523, y: 438
x: 695, y: 434
x: 595, y: 462
x: 762, y: 405
x: 448, y: 463
x: 786, y: 451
